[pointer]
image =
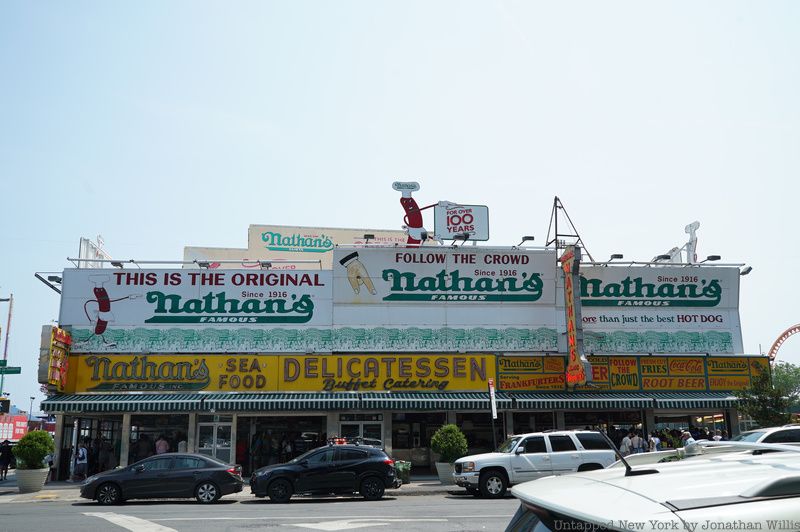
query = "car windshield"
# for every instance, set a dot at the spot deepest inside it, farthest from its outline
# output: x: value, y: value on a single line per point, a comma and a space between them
x: 751, y: 436
x: 508, y: 445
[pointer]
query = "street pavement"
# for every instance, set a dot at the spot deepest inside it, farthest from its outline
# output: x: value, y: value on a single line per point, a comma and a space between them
x: 422, y: 505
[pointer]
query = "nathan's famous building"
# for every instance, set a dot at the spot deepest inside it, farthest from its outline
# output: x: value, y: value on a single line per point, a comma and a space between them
x: 254, y: 361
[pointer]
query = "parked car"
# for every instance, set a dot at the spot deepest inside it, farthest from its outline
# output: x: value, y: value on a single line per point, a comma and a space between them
x: 784, y: 434
x: 166, y: 476
x: 334, y: 469
x: 721, y: 491
x: 526, y: 457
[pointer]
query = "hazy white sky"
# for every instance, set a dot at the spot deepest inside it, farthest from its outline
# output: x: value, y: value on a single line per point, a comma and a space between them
x: 164, y: 124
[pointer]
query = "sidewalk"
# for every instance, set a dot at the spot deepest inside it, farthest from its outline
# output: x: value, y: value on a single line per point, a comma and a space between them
x: 70, y: 491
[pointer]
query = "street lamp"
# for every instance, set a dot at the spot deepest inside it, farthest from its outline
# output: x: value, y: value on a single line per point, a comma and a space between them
x: 30, y: 410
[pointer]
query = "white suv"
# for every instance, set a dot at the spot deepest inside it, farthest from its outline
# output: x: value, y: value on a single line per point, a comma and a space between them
x: 530, y: 456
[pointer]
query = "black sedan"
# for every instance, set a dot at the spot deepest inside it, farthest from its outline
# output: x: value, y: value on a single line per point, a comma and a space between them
x: 337, y: 469
x: 166, y: 476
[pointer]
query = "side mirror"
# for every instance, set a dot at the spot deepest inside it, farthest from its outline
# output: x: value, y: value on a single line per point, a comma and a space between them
x: 303, y: 463
x: 520, y: 449
x: 138, y: 468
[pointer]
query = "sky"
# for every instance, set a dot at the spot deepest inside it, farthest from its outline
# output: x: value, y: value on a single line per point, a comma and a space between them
x: 164, y: 124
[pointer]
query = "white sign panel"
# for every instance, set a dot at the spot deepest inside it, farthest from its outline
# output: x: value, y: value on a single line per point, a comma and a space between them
x: 282, y: 244
x: 425, y: 299
x: 174, y: 310
x: 660, y: 309
x: 451, y: 220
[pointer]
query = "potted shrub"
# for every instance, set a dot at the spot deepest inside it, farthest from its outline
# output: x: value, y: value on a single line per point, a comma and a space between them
x: 451, y: 444
x: 30, y: 452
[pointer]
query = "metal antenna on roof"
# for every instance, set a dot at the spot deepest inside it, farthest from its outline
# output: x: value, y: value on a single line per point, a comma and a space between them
x: 560, y: 239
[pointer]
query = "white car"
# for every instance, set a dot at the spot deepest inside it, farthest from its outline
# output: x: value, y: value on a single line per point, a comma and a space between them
x: 784, y: 434
x: 721, y: 491
x: 530, y: 456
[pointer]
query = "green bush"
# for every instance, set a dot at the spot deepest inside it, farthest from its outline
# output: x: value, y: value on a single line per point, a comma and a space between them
x: 32, y: 448
x: 450, y: 443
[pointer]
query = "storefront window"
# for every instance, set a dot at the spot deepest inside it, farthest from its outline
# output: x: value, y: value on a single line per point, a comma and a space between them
x: 156, y: 434
x: 701, y: 425
x: 478, y: 429
x: 100, y: 435
x: 616, y: 424
x: 414, y: 431
x: 263, y: 440
x: 533, y: 422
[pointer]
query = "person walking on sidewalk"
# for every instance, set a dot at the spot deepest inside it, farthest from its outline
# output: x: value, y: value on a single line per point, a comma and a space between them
x: 81, y: 462
x: 5, y: 458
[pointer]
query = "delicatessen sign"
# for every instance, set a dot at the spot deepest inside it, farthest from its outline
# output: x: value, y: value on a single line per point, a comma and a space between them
x: 307, y: 373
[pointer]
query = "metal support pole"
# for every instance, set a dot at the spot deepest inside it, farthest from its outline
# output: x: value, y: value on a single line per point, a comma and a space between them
x: 10, y: 300
x: 494, y: 433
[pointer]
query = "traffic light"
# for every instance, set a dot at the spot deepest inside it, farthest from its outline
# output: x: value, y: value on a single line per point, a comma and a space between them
x: 5, y: 406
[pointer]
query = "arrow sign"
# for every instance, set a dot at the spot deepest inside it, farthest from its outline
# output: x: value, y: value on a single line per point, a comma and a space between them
x: 11, y: 370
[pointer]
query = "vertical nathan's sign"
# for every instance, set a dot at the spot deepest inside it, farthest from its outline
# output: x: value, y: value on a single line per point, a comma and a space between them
x: 60, y: 342
x: 570, y: 263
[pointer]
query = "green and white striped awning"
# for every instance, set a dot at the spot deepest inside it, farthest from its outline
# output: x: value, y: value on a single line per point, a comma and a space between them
x: 130, y: 402
x: 263, y: 402
x: 571, y: 401
x: 687, y: 400
x: 431, y: 401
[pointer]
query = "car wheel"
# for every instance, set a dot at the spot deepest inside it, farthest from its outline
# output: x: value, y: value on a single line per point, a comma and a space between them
x: 207, y: 492
x: 493, y: 484
x: 372, y: 488
x: 280, y: 490
x: 108, y: 494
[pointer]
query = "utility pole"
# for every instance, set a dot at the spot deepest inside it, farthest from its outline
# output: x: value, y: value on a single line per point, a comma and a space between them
x: 10, y: 300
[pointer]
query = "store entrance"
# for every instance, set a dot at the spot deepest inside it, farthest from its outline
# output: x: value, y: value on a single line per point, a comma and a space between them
x: 368, y: 427
x: 267, y: 440
x: 214, y: 438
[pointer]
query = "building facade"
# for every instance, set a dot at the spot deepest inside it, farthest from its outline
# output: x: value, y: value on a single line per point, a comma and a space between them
x: 255, y: 366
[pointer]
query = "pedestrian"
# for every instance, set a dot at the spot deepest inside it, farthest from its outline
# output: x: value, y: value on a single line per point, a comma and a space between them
x: 5, y: 458
x: 143, y: 448
x: 625, y: 446
x: 717, y: 435
x: 51, y: 473
x: 687, y: 438
x: 162, y: 445
x: 81, y: 462
x: 636, y: 443
x: 655, y: 442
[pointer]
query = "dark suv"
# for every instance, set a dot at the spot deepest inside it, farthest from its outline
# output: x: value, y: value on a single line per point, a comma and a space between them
x: 332, y: 469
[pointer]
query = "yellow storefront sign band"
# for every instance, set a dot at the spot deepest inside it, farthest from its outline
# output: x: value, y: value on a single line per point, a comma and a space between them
x: 399, y: 372
x: 306, y: 373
